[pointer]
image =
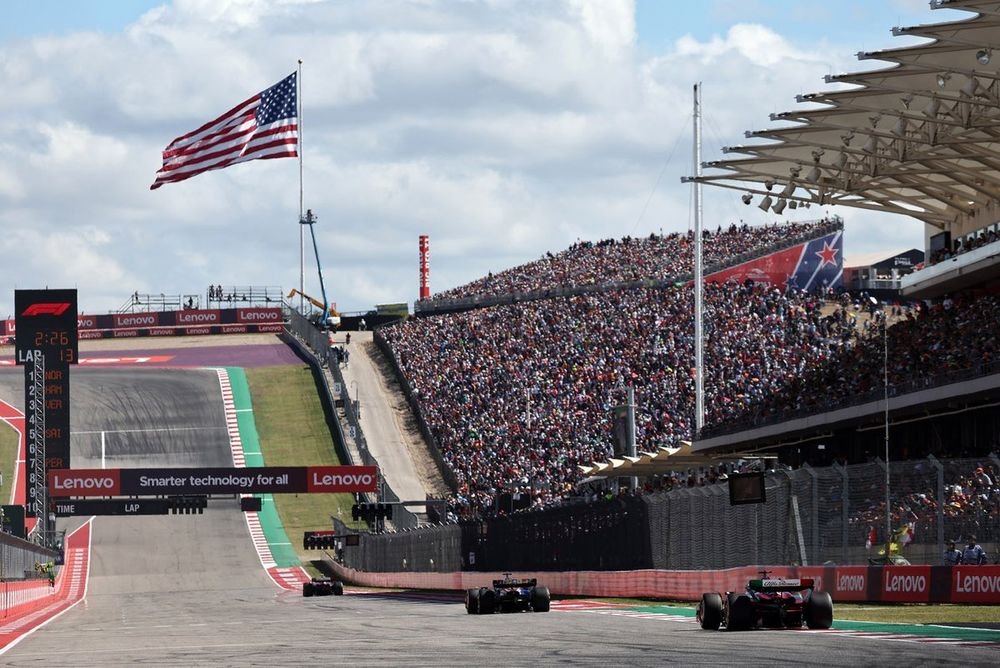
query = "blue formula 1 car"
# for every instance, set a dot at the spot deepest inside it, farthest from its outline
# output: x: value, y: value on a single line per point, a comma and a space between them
x: 768, y: 603
x: 508, y: 595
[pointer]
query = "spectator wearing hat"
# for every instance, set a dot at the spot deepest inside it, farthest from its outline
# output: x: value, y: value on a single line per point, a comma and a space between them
x: 973, y: 553
x: 952, y: 555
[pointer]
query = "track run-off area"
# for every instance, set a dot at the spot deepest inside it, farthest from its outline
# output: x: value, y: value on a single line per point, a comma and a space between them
x: 223, y: 588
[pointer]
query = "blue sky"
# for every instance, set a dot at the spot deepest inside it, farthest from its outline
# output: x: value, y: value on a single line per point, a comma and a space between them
x: 502, y: 128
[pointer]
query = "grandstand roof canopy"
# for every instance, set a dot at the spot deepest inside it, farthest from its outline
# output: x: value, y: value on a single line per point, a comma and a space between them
x: 920, y: 137
x: 664, y: 460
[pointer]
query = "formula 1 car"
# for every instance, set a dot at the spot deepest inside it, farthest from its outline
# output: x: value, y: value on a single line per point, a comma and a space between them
x: 323, y: 587
x: 770, y: 603
x: 507, y: 595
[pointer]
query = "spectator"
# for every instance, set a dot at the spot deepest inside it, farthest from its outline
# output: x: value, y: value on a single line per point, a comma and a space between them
x: 973, y: 553
x: 952, y: 555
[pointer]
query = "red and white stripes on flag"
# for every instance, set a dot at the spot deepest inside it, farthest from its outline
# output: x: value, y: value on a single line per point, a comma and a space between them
x: 262, y: 127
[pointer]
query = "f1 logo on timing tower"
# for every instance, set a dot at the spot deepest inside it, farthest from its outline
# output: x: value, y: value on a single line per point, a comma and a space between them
x: 52, y: 308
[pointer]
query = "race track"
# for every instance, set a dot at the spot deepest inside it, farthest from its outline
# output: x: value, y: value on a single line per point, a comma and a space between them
x: 188, y: 590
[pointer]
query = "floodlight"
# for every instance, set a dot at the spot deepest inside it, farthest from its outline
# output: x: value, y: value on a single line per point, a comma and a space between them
x: 765, y: 203
x: 983, y: 56
x: 813, y: 175
x: 747, y: 198
x: 779, y: 206
x: 769, y: 184
x: 788, y: 189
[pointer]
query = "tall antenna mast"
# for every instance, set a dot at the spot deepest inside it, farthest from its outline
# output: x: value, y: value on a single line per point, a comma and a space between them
x: 699, y: 343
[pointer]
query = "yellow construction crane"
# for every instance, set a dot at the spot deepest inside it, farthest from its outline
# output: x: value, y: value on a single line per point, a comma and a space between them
x: 332, y: 316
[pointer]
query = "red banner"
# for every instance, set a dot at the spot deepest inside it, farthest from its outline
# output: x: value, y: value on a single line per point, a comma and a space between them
x: 204, y: 317
x: 259, y: 315
x: 973, y: 584
x: 342, y: 478
x: 136, y: 320
x: 84, y: 482
x: 850, y: 583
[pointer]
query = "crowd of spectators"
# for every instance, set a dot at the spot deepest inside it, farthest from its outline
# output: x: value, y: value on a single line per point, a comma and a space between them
x: 970, y: 500
x: 985, y: 237
x: 518, y: 396
x: 640, y: 258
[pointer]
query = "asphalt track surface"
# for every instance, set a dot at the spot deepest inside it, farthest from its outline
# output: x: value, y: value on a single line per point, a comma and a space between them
x: 188, y: 590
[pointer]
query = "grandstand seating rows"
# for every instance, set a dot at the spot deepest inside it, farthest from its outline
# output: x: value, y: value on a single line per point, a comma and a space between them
x: 518, y: 395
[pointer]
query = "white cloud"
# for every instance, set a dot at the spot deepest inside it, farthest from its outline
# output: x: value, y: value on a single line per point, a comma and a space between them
x: 501, y: 128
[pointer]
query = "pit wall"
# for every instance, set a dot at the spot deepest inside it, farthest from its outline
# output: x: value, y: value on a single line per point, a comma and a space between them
x: 872, y: 584
x: 22, y: 596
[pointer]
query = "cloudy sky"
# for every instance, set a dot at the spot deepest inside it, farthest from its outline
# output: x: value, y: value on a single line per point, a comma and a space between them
x: 501, y: 128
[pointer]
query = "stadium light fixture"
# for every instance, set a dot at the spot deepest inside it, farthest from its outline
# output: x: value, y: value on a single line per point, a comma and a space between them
x: 747, y: 198
x: 779, y: 206
x: 813, y: 175
x: 793, y: 204
x: 983, y: 56
x: 942, y: 79
x: 788, y: 189
x: 769, y: 184
x: 765, y: 203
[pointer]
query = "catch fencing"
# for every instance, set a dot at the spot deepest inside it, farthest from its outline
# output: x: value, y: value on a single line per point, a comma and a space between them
x: 812, y: 517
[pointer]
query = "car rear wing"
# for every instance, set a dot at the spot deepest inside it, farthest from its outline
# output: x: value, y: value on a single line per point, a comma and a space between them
x: 499, y: 584
x: 782, y: 584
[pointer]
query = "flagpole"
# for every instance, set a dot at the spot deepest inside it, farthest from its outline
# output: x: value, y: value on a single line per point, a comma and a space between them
x: 302, y: 247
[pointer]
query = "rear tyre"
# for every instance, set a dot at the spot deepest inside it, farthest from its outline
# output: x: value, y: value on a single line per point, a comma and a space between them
x: 338, y: 588
x: 307, y: 589
x: 819, y: 610
x: 487, y: 602
x: 741, y: 612
x: 710, y: 611
x: 472, y: 601
x: 540, y: 599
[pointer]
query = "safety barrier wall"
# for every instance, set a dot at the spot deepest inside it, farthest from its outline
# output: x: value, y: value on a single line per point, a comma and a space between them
x: 20, y: 596
x: 874, y: 584
x: 812, y: 516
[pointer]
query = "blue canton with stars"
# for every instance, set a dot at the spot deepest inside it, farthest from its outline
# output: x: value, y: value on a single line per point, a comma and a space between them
x: 277, y: 102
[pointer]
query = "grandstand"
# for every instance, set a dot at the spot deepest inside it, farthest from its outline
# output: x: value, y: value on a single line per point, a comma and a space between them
x: 515, y: 374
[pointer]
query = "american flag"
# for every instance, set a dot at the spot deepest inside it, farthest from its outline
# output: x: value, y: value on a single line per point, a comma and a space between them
x: 265, y: 126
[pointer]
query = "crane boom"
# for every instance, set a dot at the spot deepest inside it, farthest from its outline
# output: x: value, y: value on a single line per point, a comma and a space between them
x: 329, y: 317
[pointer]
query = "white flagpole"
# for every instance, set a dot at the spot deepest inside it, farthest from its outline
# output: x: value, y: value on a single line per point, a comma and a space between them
x: 302, y: 247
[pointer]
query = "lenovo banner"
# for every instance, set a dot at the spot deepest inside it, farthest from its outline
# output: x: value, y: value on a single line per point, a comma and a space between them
x: 259, y: 315
x: 159, y: 482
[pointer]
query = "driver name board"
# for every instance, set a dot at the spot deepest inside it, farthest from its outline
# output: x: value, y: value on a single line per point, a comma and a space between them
x: 46, y: 344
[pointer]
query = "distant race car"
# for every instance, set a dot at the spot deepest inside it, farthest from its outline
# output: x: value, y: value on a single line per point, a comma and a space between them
x: 507, y: 595
x: 323, y: 587
x: 769, y: 603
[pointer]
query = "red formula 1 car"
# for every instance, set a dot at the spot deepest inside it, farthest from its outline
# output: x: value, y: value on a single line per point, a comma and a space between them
x: 769, y: 603
x: 323, y: 587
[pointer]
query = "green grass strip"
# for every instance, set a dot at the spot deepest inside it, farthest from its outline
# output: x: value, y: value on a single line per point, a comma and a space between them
x: 926, y: 630
x: 282, y: 551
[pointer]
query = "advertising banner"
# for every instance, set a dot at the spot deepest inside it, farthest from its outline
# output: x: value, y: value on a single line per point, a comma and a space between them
x: 165, y: 481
